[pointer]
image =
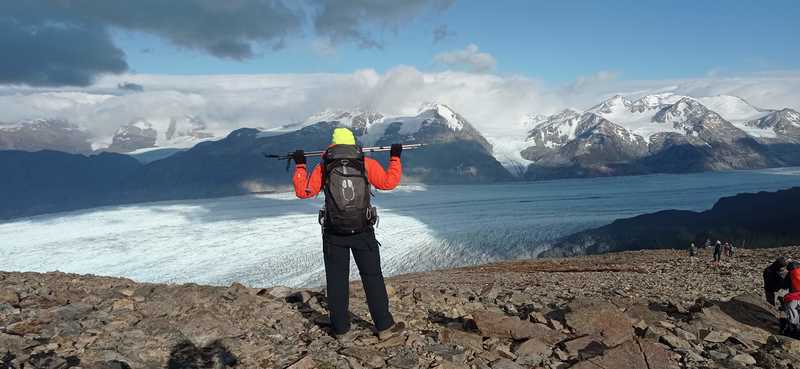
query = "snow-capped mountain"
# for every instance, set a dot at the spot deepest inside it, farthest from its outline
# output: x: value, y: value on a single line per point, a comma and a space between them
x: 143, y: 135
x: 456, y: 153
x: 44, y: 134
x: 644, y: 134
x: 784, y: 123
x: 133, y: 136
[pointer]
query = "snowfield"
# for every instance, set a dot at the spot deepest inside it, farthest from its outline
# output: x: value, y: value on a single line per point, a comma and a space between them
x: 264, y: 240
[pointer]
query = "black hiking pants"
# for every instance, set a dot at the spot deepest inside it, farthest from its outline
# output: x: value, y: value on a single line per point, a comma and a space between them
x: 366, y: 253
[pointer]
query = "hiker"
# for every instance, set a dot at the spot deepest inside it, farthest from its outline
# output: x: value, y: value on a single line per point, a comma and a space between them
x: 345, y: 175
x: 707, y: 244
x: 777, y: 277
x: 692, y: 250
x: 717, y: 251
x: 728, y: 249
x: 791, y: 301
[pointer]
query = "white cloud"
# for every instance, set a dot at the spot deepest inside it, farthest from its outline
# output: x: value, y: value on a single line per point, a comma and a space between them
x: 600, y: 77
x: 470, y: 59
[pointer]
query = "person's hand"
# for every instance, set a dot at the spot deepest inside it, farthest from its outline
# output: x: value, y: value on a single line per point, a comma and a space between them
x: 299, y: 157
x: 396, y: 150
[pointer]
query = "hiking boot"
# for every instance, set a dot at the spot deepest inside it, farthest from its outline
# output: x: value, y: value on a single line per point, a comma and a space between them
x: 392, y: 331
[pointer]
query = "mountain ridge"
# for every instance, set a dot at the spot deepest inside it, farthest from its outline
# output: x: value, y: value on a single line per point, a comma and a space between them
x: 751, y: 219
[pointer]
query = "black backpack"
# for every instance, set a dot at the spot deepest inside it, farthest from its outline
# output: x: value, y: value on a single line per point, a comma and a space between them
x: 347, y: 191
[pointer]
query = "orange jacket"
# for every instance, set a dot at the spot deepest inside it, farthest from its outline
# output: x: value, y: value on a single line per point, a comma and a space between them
x: 794, y: 279
x: 305, y: 186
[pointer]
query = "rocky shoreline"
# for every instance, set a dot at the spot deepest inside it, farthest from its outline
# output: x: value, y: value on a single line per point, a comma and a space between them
x: 645, y: 309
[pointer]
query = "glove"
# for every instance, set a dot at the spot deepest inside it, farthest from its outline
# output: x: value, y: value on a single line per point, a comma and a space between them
x: 299, y: 157
x: 396, y: 150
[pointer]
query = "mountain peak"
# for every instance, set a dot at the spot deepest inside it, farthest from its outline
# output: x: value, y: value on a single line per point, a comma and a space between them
x: 654, y: 101
x: 451, y: 118
x: 611, y: 105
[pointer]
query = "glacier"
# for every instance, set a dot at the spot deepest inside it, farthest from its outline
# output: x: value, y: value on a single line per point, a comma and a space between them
x: 273, y: 239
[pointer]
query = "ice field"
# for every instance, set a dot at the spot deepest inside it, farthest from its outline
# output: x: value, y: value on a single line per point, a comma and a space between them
x: 264, y: 240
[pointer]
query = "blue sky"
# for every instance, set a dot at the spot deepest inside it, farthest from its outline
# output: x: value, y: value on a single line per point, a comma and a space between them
x: 104, y: 64
x: 553, y: 41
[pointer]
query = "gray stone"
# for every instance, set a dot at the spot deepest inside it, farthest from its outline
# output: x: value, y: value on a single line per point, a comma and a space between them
x: 676, y: 342
x: 372, y: 358
x: 717, y: 355
x: 533, y: 346
x: 630, y: 355
x: 464, y: 339
x: 9, y: 296
x: 504, y: 363
x: 279, y: 292
x: 583, y: 347
x: 716, y: 336
x: 743, y: 359
x: 601, y: 319
x: 404, y: 360
x: 305, y: 363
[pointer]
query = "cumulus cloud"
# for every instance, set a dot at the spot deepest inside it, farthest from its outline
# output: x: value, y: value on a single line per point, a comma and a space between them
x: 129, y: 86
x: 67, y: 42
x: 355, y: 20
x: 441, y: 32
x: 470, y: 59
x: 40, y: 53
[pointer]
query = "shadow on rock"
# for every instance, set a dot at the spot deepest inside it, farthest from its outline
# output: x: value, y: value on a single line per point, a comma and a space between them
x: 314, y: 308
x: 749, y: 310
x: 186, y: 355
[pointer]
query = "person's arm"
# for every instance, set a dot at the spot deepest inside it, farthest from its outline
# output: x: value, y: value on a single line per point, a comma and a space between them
x: 384, y: 179
x: 304, y: 186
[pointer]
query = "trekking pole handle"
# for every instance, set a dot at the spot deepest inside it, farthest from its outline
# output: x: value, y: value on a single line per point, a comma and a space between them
x: 365, y: 149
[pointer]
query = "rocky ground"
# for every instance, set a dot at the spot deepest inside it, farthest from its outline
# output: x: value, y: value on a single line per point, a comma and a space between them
x: 638, y: 310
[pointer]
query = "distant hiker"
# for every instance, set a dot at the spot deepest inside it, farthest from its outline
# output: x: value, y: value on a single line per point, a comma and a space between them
x: 345, y: 175
x: 692, y: 250
x: 728, y: 249
x: 708, y: 243
x: 717, y: 251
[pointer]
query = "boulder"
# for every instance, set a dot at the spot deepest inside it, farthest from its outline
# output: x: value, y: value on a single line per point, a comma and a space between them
x: 370, y: 357
x: 305, y: 363
x: 9, y: 296
x: 746, y: 317
x: 504, y: 363
x: 493, y: 324
x: 29, y: 326
x: 404, y: 360
x: 464, y: 339
x: 600, y: 319
x: 633, y: 354
x: 533, y: 346
x: 583, y: 347
x: 743, y: 360
x: 279, y: 292
x: 787, y: 344
x: 715, y: 336
x: 676, y: 342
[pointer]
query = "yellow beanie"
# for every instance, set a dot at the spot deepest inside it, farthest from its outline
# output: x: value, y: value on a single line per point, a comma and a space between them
x: 343, y: 136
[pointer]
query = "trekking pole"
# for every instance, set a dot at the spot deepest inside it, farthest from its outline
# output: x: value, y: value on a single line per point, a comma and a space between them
x: 288, y: 157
